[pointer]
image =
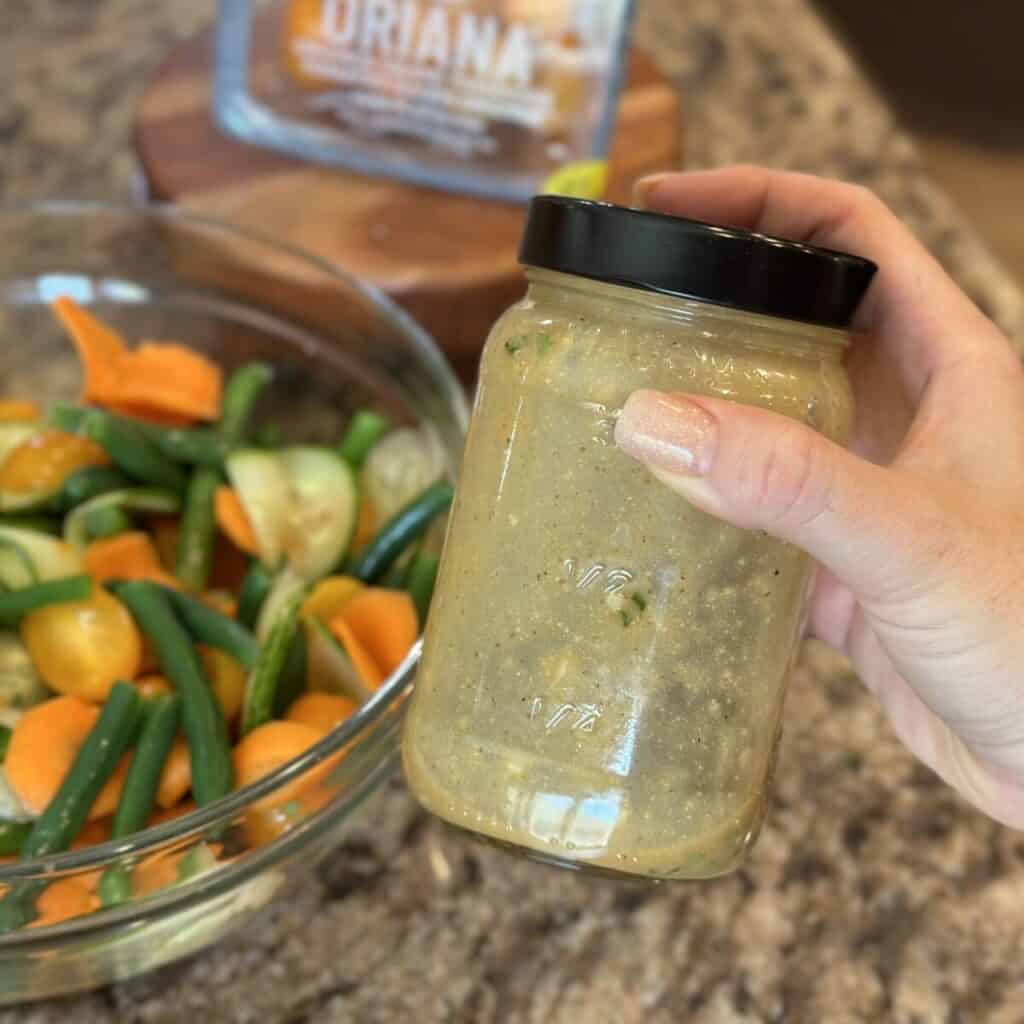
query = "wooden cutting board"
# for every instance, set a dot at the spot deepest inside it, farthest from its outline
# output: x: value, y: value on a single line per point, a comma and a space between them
x: 449, y: 260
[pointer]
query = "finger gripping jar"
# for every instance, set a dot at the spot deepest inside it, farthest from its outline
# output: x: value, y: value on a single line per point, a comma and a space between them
x: 604, y: 667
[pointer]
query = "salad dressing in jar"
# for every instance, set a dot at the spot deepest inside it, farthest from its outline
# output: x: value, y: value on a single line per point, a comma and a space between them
x: 605, y: 665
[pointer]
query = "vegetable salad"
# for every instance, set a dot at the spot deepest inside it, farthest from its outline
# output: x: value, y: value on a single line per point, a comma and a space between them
x: 186, y: 603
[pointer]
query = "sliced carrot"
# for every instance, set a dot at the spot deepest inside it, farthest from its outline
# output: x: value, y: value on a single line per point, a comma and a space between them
x: 268, y: 747
x: 231, y: 518
x: 126, y: 556
x: 385, y: 624
x: 368, y: 669
x: 152, y: 685
x: 157, y: 417
x: 62, y: 900
x: 42, y: 748
x: 165, y: 815
x: 163, y: 377
x: 44, y: 461
x: 176, y: 778
x: 156, y: 871
x: 322, y: 711
x: 94, y: 833
x: 17, y: 410
x: 99, y: 348
x: 160, y: 870
x: 329, y: 596
x: 366, y: 523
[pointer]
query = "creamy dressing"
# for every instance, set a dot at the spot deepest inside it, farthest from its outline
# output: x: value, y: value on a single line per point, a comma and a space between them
x: 604, y: 667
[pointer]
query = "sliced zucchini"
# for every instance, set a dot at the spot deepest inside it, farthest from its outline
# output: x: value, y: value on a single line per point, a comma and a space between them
x: 11, y: 808
x: 20, y: 685
x: 324, y: 509
x: 262, y: 484
x: 285, y: 586
x: 27, y: 557
x: 328, y: 666
x: 130, y: 499
x: 401, y: 465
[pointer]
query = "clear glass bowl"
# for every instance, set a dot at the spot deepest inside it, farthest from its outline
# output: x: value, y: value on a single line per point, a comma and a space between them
x: 336, y: 345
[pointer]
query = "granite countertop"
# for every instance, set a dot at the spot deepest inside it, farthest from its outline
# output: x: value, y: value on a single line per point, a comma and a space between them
x: 874, y: 893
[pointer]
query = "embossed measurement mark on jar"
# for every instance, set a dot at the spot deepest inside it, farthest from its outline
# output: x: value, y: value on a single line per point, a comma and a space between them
x: 610, y: 580
x: 568, y: 716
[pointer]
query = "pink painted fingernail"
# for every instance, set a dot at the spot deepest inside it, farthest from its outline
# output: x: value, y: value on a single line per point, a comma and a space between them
x: 668, y: 432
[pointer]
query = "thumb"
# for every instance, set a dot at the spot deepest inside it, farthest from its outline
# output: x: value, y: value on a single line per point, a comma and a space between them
x: 760, y: 470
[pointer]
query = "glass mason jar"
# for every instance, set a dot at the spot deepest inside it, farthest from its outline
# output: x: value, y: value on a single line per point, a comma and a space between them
x: 604, y: 667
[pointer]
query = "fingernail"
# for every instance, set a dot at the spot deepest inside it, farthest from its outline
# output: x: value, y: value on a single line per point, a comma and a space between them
x: 643, y: 187
x: 667, y: 432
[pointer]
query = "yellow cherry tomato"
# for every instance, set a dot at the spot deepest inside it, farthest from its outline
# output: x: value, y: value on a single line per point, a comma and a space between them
x: 329, y: 596
x: 83, y: 647
x: 227, y: 680
x: 17, y: 410
x: 46, y: 460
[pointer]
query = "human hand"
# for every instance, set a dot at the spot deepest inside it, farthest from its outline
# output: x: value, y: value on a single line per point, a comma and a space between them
x: 919, y: 528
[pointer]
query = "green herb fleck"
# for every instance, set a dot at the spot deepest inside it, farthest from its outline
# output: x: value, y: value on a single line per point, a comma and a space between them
x: 851, y: 760
x: 544, y: 342
x: 513, y: 345
x: 639, y: 600
x: 624, y: 615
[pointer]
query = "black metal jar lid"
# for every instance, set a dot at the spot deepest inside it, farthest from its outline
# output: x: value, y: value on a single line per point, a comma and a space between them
x: 689, y: 259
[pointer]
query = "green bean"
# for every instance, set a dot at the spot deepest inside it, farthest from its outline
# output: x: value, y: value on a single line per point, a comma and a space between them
x: 419, y: 582
x: 241, y: 393
x: 208, y: 626
x: 68, y: 417
x: 193, y: 554
x: 255, y: 587
x: 203, y: 724
x: 198, y: 446
x: 159, y: 725
x: 262, y: 684
x: 12, y: 837
x: 5, y: 739
x: 405, y: 527
x: 365, y: 430
x: 106, y: 521
x: 58, y: 826
x: 292, y: 681
x: 133, y: 452
x: 199, y: 859
x: 16, y: 603
x: 88, y: 483
x: 115, y: 885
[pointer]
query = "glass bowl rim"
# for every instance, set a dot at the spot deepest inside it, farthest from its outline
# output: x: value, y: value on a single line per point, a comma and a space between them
x: 194, y: 822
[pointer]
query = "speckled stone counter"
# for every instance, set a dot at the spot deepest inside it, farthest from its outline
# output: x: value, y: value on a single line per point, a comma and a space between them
x: 875, y: 894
